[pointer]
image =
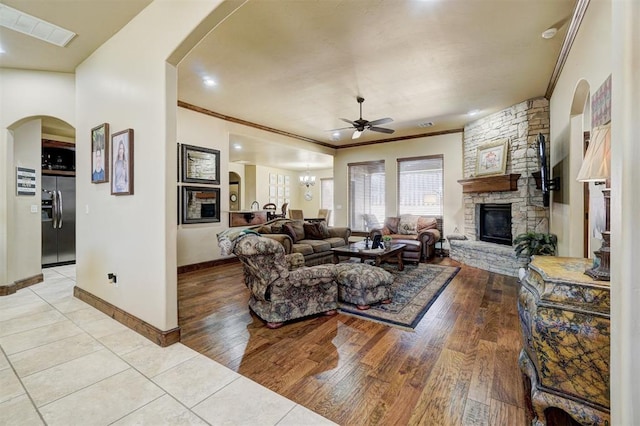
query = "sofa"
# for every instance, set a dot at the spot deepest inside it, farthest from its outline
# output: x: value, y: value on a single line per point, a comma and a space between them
x: 419, y: 233
x: 313, y: 240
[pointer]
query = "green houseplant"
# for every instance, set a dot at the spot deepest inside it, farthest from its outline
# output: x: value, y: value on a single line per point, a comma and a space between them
x: 535, y: 243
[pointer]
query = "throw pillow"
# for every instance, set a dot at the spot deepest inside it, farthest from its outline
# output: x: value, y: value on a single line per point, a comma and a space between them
x: 408, y: 224
x: 313, y: 231
x: 391, y: 223
x: 324, y: 228
x: 425, y: 223
x: 294, y: 229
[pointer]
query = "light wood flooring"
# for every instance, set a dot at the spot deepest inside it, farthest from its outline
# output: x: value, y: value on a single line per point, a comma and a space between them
x: 458, y: 367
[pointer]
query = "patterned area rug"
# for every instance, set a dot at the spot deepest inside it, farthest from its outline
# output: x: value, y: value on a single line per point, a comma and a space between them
x: 414, y: 291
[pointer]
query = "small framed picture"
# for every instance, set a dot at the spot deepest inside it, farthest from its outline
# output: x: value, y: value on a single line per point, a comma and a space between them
x: 492, y: 158
x: 200, y: 165
x: 100, y: 153
x: 200, y: 204
x: 122, y: 164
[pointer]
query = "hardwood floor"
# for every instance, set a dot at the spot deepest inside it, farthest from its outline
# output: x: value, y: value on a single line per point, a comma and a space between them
x: 458, y: 367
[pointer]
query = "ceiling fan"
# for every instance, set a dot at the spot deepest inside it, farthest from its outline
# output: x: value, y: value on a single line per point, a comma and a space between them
x: 361, y: 125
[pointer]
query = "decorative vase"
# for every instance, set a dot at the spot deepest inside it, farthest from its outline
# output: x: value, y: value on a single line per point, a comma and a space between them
x: 387, y: 245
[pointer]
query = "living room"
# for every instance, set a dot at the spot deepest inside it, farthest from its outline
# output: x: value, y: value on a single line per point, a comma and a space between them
x: 152, y: 278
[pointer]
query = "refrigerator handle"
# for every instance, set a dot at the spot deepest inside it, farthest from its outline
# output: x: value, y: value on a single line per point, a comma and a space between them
x: 59, y: 209
x: 54, y: 208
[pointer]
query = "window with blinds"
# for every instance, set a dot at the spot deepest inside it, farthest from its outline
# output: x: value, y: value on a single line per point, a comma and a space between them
x: 326, y: 197
x: 420, y: 185
x: 366, y: 194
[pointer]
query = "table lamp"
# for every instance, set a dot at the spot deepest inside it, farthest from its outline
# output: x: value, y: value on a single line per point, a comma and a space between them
x: 596, y: 167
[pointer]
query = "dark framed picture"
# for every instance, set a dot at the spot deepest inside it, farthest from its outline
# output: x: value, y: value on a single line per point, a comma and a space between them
x: 100, y: 153
x: 122, y: 164
x: 200, y: 165
x: 200, y: 205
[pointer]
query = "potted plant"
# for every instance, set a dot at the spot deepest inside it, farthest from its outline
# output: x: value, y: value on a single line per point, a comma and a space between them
x: 386, y: 239
x: 535, y: 243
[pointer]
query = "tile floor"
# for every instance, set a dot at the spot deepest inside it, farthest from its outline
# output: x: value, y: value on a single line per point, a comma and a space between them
x: 63, y: 362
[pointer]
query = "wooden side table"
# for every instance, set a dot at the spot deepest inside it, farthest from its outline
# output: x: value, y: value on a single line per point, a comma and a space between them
x: 564, y: 316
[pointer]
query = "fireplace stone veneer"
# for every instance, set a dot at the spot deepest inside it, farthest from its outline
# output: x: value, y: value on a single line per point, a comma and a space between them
x: 520, y: 125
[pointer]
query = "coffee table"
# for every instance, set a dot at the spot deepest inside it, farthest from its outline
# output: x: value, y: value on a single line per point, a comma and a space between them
x: 378, y: 255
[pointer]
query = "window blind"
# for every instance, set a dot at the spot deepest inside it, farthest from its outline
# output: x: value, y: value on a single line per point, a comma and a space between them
x: 366, y: 194
x: 420, y: 185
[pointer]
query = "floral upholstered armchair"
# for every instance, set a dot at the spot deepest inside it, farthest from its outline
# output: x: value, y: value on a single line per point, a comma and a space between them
x: 281, y: 289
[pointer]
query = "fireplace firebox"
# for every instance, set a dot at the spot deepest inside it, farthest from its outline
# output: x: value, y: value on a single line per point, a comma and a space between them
x: 493, y: 223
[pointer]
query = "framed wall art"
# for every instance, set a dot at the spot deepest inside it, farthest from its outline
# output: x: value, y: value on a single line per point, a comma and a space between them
x: 122, y: 164
x: 492, y: 158
x: 200, y: 165
x: 200, y: 204
x: 100, y: 153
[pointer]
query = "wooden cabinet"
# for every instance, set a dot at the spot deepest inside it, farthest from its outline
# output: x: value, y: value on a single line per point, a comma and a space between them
x: 247, y: 218
x: 564, y: 316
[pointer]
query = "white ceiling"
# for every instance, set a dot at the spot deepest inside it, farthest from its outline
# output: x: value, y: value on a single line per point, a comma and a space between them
x: 297, y: 66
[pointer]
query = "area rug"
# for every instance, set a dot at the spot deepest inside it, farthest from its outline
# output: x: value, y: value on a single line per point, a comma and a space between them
x: 414, y: 291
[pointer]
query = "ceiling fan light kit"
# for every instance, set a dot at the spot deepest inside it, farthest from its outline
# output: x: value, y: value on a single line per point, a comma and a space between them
x: 360, y: 125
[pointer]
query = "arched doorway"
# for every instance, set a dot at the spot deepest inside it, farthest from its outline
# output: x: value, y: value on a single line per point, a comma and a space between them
x: 234, y: 192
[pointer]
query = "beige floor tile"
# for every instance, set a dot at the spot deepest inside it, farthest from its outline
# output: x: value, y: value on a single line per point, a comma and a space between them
x: 195, y: 379
x: 11, y: 386
x: 111, y: 399
x: 84, y: 316
x: 40, y: 336
x: 103, y: 327
x: 230, y: 405
x: 303, y: 416
x: 125, y: 341
x: 18, y: 298
x: 30, y: 322
x: 55, y: 295
x: 20, y: 310
x: 69, y: 304
x: 163, y: 411
x: 153, y: 360
x: 49, y: 355
x: 4, y: 362
x: 19, y: 411
x: 63, y: 379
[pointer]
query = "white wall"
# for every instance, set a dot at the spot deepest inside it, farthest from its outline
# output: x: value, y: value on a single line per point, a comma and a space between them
x: 197, y: 243
x: 25, y: 232
x: 625, y: 205
x: 449, y: 145
x: 128, y: 84
x: 25, y: 95
x: 589, y: 61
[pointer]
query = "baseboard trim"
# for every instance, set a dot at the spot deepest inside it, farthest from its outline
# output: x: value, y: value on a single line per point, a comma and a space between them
x: 208, y: 264
x: 157, y: 336
x: 6, y: 290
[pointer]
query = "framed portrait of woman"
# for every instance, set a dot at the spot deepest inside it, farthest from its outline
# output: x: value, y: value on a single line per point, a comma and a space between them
x: 122, y: 163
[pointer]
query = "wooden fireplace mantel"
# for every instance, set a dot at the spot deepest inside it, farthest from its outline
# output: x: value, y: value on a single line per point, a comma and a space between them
x: 491, y: 183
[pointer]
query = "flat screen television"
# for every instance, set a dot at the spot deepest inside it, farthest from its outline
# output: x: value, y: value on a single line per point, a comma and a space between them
x: 544, y: 169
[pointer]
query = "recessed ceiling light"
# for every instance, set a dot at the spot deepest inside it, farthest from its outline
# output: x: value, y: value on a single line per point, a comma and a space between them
x: 237, y: 146
x: 549, y: 33
x: 473, y: 112
x: 335, y: 136
x: 35, y: 27
x: 209, y: 82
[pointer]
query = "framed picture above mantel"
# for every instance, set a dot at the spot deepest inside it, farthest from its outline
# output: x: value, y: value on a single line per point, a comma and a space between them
x: 492, y: 158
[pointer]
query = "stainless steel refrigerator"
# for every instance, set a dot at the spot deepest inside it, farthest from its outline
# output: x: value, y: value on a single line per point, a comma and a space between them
x: 58, y: 220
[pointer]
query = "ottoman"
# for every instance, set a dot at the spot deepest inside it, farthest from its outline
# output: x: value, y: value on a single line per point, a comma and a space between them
x: 361, y: 284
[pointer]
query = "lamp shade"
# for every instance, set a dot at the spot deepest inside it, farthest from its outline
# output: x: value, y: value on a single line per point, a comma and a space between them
x: 596, y: 165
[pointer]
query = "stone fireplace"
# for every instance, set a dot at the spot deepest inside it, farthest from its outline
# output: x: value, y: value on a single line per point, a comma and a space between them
x: 520, y: 203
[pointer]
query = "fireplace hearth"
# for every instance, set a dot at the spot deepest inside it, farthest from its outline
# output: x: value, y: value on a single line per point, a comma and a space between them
x: 494, y: 223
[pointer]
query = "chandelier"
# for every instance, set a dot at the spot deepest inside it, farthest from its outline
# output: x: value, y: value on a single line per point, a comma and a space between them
x: 307, y: 180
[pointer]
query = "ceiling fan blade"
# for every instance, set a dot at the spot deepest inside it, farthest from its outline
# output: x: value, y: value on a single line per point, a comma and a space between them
x: 348, y: 121
x: 356, y: 134
x: 381, y: 129
x: 380, y: 121
x: 339, y: 129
